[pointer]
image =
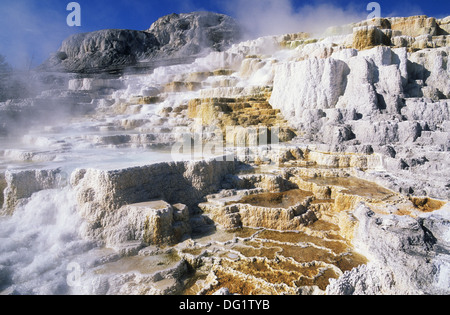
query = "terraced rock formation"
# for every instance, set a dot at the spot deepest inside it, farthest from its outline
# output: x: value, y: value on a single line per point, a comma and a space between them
x: 247, y: 112
x: 280, y: 165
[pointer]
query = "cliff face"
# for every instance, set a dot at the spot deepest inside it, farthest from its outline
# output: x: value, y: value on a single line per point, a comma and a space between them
x: 188, y: 34
x: 361, y: 85
x: 384, y: 84
x: 103, y: 49
x: 172, y: 36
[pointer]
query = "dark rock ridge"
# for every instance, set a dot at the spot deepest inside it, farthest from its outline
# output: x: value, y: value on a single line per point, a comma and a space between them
x: 175, y: 36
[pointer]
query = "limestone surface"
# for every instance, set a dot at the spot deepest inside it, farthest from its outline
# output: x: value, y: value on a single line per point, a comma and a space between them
x: 177, y: 160
x: 407, y: 255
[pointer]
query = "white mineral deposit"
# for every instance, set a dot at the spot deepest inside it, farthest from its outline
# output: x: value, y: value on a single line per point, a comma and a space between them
x: 291, y: 164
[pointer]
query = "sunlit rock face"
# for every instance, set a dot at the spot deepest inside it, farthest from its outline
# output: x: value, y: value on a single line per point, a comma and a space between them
x: 359, y: 89
x: 361, y: 86
x: 416, y: 262
x: 173, y: 36
x: 279, y: 165
x: 188, y: 34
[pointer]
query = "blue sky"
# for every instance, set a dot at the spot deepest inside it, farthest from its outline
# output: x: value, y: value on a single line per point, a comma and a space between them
x: 31, y: 29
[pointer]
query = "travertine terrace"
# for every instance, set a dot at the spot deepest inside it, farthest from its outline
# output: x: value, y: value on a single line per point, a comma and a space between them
x: 292, y: 164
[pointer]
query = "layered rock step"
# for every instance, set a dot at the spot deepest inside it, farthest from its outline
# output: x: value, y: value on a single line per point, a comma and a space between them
x: 415, y: 32
x: 147, y: 223
x: 151, y: 271
x: 284, y: 228
x: 293, y: 241
x: 232, y: 115
x: 261, y: 261
x: 368, y: 176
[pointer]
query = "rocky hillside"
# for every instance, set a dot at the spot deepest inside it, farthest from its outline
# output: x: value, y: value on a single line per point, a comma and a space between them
x: 382, y: 87
x: 173, y: 36
x: 281, y: 165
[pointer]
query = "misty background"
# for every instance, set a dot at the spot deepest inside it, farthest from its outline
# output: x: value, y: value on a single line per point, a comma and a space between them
x: 31, y: 30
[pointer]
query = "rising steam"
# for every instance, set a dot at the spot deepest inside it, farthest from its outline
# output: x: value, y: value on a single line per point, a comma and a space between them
x: 276, y: 17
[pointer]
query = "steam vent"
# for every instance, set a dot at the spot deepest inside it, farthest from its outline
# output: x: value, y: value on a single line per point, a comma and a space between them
x: 181, y: 160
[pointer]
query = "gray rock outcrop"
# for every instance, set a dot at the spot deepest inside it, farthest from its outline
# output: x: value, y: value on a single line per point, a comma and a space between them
x: 408, y: 255
x: 189, y: 34
x: 171, y: 37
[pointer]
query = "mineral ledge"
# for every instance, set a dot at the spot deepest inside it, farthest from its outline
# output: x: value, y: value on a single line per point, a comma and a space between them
x: 349, y: 196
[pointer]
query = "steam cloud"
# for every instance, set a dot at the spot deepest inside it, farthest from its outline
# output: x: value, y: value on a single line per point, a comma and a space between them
x: 29, y: 33
x: 276, y: 17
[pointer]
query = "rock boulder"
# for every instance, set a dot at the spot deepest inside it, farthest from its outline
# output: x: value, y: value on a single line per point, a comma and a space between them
x: 172, y: 36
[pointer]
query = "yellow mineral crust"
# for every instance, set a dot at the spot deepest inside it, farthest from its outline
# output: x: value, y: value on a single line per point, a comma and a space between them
x: 243, y: 112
